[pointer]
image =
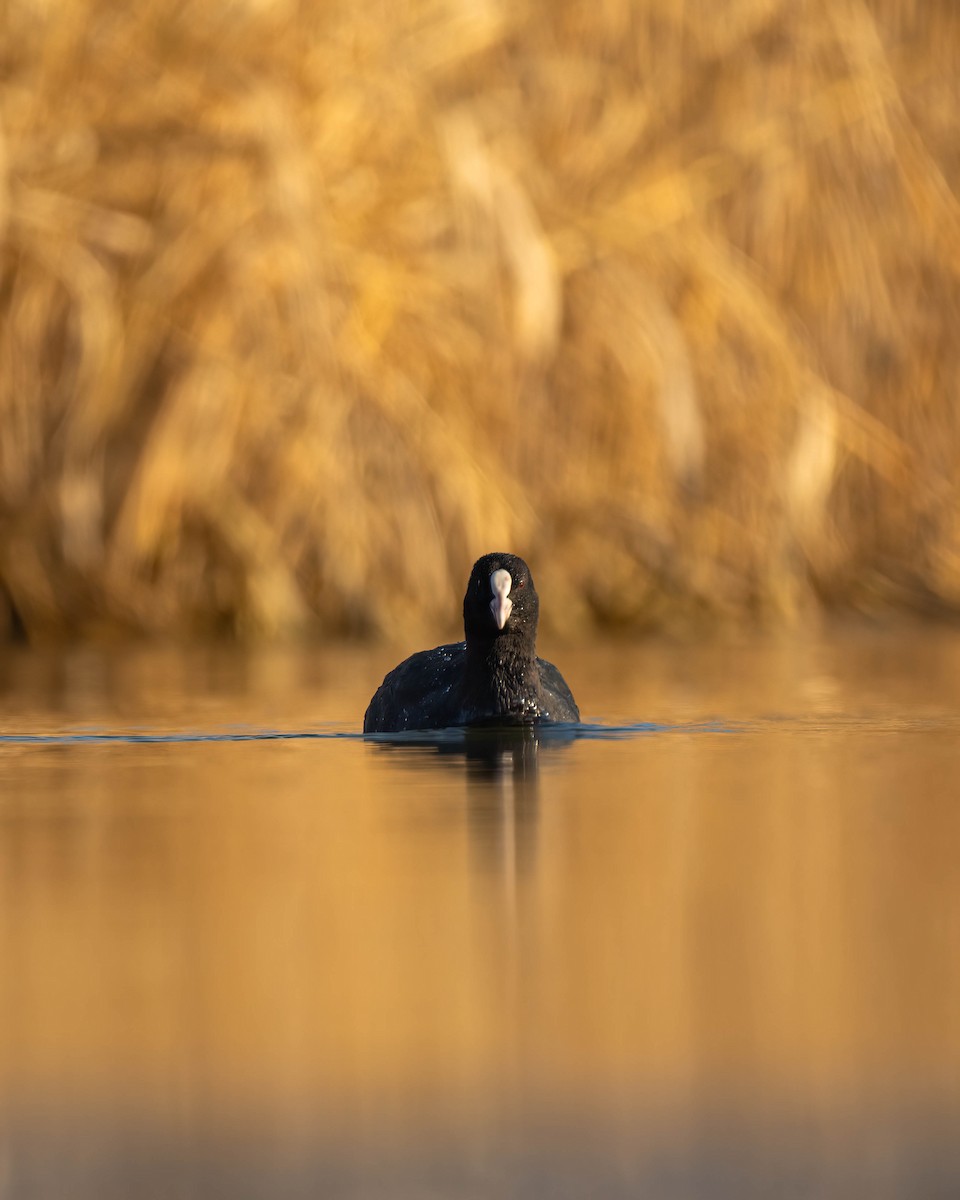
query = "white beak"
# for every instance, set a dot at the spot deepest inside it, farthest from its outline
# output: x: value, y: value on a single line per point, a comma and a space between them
x: 501, y: 604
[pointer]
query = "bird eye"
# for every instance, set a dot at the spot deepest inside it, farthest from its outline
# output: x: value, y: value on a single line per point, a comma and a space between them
x: 522, y: 583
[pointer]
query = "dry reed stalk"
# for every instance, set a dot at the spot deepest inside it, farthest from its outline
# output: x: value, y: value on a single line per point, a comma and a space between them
x: 302, y: 306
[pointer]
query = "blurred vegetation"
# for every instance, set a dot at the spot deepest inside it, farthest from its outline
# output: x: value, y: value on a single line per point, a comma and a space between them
x: 305, y: 305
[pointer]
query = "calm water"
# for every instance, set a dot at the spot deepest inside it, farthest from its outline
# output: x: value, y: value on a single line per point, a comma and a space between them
x: 713, y: 950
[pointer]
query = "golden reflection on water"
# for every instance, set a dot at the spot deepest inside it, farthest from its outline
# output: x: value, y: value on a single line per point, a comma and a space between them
x: 219, y: 935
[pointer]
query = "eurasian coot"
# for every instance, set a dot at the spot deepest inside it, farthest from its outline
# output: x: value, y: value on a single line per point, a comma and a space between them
x: 493, y: 678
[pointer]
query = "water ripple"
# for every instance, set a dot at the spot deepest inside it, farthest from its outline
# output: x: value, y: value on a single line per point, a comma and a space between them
x: 560, y: 732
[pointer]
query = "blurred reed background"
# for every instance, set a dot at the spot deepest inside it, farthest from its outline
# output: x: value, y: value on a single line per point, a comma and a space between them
x: 303, y: 305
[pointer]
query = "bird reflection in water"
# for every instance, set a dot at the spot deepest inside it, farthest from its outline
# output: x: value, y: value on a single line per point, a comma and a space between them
x: 501, y: 768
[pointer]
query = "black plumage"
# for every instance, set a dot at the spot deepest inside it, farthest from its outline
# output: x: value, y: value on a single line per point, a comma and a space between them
x: 493, y: 677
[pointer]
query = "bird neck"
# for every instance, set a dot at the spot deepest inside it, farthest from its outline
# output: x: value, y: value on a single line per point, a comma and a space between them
x: 502, y: 671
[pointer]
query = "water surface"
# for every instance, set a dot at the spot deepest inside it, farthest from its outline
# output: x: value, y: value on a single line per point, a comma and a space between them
x: 706, y: 946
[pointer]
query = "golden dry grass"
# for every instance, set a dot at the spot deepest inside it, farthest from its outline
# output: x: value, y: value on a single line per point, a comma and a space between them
x: 305, y: 305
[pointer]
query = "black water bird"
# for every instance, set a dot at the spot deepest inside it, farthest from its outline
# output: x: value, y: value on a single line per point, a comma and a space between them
x: 493, y: 677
